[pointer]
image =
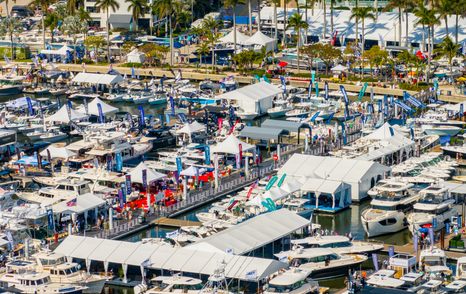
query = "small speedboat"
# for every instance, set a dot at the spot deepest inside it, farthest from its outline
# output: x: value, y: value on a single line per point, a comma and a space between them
x: 441, y: 130
x: 160, y: 98
x: 280, y: 109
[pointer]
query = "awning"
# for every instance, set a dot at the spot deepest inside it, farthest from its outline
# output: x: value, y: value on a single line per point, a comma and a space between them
x: 83, y: 203
x: 289, y: 126
x: 259, y: 133
x: 120, y: 18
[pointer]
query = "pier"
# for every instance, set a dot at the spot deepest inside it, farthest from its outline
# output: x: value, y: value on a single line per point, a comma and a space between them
x: 174, y: 222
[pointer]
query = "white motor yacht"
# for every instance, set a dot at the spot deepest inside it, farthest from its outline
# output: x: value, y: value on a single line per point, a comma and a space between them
x: 433, y: 260
x: 175, y: 284
x: 293, y: 281
x: 384, y: 279
x: 441, y: 130
x: 390, y: 203
x: 281, y: 107
x: 434, y: 208
x: 323, y: 263
x: 338, y: 244
x: 52, y: 135
x: 62, y: 271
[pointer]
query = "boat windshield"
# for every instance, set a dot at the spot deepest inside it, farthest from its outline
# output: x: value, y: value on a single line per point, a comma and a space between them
x: 382, y: 207
x: 46, y: 261
x: 430, y: 198
x: 185, y: 288
x: 285, y: 288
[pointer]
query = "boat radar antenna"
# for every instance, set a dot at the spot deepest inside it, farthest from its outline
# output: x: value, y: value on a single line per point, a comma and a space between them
x: 217, y: 283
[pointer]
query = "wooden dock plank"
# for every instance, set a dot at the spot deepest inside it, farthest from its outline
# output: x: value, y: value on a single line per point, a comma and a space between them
x: 173, y: 222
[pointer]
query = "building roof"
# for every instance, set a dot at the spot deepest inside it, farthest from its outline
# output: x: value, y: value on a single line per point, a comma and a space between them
x: 290, y: 126
x: 323, y: 186
x: 253, y: 233
x: 85, y: 202
x: 98, y: 79
x: 255, y: 92
x: 329, y: 168
x: 165, y: 257
x: 120, y: 18
x: 260, y: 133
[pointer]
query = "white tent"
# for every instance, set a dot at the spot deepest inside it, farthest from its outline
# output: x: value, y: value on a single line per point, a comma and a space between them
x: 62, y: 51
x: 339, y: 68
x: 193, y: 171
x: 231, y: 146
x: 93, y: 109
x: 97, y: 79
x: 259, y: 40
x: 191, y: 128
x: 57, y: 152
x: 62, y: 115
x: 152, y: 175
x: 19, y: 103
x: 229, y: 38
x: 85, y: 202
x: 255, y: 98
x: 135, y: 57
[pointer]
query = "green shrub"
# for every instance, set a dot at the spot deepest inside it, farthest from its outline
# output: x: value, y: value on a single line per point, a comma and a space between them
x: 132, y: 64
x: 20, y: 52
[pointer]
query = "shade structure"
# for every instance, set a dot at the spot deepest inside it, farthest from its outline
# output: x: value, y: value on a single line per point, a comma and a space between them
x: 62, y: 115
x: 152, y: 175
x: 231, y: 146
x: 62, y: 51
x: 193, y: 171
x: 229, y: 38
x: 259, y: 39
x: 85, y: 202
x: 97, y: 79
x: 260, y: 133
x: 191, y: 128
x: 57, y: 152
x: 30, y: 160
x: 93, y: 108
x: 339, y: 68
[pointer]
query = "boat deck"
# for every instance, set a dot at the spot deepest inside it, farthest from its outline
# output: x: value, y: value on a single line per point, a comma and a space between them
x: 173, y: 222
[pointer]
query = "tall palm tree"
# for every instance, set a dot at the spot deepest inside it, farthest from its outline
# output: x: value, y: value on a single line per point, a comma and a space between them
x: 427, y: 18
x: 165, y: 9
x: 249, y: 17
x: 332, y: 8
x: 10, y: 26
x: 324, y: 6
x: 44, y: 6
x: 285, y: 16
x: 137, y: 8
x: 409, y: 5
x: 396, y: 4
x: 275, y: 20
x: 444, y: 9
x: 449, y: 50
x: 298, y: 24
x: 51, y: 22
x: 459, y: 10
x: 362, y: 13
x: 107, y: 5
x: 7, y: 8
x: 232, y: 5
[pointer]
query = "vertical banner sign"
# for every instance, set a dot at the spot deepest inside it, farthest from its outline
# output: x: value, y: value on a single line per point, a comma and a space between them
x: 207, y: 155
x: 39, y: 161
x: 379, y: 106
x: 49, y: 156
x: 144, y: 179
x: 345, y: 96
x: 179, y: 166
x: 461, y: 109
x: 310, y: 89
x: 363, y: 91
x: 50, y: 219
x: 240, y: 148
x: 282, y: 79
x: 172, y: 105
x: 317, y: 89
x: 220, y: 123
x: 313, y: 76
x: 101, y: 113
x: 119, y: 162
x: 30, y: 108
x: 142, y: 122
x: 121, y: 198
x: 375, y: 261
x: 86, y: 106
x: 68, y: 108
x: 128, y: 184
x: 109, y: 162
x: 415, y: 241
x: 326, y: 90
x: 238, y: 163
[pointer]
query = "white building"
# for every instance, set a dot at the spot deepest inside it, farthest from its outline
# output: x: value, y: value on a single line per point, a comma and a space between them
x: 120, y: 18
x: 361, y: 175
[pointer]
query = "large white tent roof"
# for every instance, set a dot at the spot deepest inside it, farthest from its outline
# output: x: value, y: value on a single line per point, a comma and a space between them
x: 57, y: 152
x: 168, y: 258
x: 259, y: 38
x: 229, y: 38
x: 93, y: 108
x: 330, y: 168
x: 231, y: 146
x: 85, y: 202
x: 152, y: 175
x: 191, y: 128
x: 62, y: 115
x: 253, y: 92
x: 97, y: 79
x: 254, y: 233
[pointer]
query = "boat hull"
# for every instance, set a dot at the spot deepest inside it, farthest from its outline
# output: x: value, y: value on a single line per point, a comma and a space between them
x: 381, y: 226
x: 443, y: 132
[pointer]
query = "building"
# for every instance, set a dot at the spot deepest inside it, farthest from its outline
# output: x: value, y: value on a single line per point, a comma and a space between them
x: 121, y: 18
x: 360, y: 174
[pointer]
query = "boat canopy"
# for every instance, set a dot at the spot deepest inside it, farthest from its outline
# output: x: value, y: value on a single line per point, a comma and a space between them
x: 93, y: 108
x: 84, y: 203
x: 97, y: 79
x: 231, y: 146
x: 152, y: 175
x: 62, y: 115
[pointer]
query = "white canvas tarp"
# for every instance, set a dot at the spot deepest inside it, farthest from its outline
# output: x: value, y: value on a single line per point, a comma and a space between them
x: 62, y: 116
x: 152, y: 175
x: 97, y: 79
x: 231, y: 146
x: 93, y: 108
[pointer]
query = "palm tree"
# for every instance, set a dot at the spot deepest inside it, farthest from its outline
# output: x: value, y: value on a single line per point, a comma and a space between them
x: 396, y: 4
x: 362, y: 13
x: 275, y: 20
x: 324, y: 4
x: 449, y: 50
x: 72, y: 26
x: 232, y: 5
x: 459, y: 9
x: 107, y: 5
x: 166, y: 9
x: 202, y: 50
x: 10, y: 25
x: 51, y: 22
x: 444, y: 9
x: 427, y: 18
x: 285, y: 16
x: 297, y: 23
x: 249, y: 17
x: 137, y: 8
x: 332, y: 7
x: 44, y: 6
x: 212, y: 39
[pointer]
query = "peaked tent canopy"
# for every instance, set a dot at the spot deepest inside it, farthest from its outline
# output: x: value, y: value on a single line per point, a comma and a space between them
x: 97, y: 79
x: 231, y: 146
x: 93, y: 109
x: 260, y: 39
x: 152, y: 175
x: 57, y: 152
x: 62, y: 115
x: 191, y: 128
x: 19, y: 103
x: 193, y: 171
x: 62, y: 51
x: 229, y: 38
